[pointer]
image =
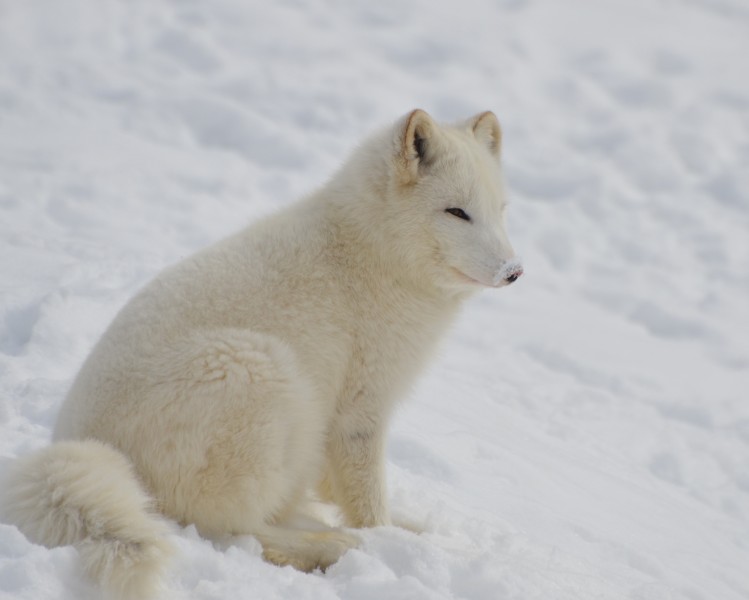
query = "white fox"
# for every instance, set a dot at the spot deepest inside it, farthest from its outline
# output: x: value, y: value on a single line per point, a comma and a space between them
x: 268, y: 365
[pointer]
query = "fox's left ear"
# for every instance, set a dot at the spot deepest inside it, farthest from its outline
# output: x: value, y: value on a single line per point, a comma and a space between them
x: 485, y: 127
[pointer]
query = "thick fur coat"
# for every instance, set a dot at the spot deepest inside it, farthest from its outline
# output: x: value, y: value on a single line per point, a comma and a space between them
x: 268, y: 365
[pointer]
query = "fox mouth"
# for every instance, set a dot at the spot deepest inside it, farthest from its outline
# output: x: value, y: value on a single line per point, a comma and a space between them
x: 467, y: 278
x: 508, y: 274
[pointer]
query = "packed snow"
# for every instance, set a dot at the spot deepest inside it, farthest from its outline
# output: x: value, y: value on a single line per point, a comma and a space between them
x: 584, y: 433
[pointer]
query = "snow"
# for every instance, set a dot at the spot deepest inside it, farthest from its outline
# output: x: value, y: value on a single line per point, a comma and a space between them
x: 584, y: 433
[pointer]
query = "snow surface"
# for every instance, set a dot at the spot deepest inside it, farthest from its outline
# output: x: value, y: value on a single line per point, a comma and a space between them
x: 585, y: 432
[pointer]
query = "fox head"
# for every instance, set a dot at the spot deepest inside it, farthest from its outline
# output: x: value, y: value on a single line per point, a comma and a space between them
x: 436, y: 201
x: 452, y: 173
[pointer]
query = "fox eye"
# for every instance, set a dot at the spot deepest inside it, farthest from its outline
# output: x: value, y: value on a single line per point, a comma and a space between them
x: 458, y: 212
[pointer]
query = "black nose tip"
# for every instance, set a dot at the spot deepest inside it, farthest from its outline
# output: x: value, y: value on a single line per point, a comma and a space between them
x: 514, y: 276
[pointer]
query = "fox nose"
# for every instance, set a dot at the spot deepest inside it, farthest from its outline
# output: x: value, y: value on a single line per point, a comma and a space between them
x: 509, y: 273
x: 512, y: 277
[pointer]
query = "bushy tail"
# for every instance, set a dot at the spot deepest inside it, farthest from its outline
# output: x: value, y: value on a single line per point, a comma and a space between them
x: 86, y: 494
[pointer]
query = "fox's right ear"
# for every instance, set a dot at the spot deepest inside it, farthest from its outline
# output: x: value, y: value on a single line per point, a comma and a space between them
x: 416, y: 143
x: 487, y: 131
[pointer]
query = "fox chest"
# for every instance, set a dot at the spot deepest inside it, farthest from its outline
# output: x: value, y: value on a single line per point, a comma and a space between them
x: 387, y: 357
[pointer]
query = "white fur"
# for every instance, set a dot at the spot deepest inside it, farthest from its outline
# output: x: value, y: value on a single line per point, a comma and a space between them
x: 85, y: 493
x: 269, y: 364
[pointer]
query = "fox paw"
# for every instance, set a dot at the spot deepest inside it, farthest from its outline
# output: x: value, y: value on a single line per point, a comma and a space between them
x: 314, y: 550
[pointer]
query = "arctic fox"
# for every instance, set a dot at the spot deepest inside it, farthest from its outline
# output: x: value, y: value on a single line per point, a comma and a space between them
x: 268, y: 365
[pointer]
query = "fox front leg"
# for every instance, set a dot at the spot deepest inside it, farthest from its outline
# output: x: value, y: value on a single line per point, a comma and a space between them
x: 357, y: 475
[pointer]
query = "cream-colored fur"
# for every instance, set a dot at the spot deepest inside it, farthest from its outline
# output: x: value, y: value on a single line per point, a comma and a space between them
x: 269, y: 364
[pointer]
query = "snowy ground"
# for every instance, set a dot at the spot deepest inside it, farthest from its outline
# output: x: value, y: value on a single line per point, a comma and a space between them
x: 585, y: 433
